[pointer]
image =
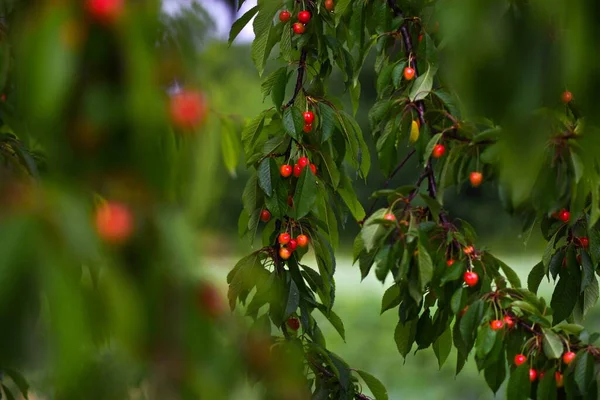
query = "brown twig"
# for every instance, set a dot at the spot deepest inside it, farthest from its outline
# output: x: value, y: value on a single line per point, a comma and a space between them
x: 299, y: 78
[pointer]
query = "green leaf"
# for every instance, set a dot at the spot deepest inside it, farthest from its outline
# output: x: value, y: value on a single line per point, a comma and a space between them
x: 590, y: 295
x: 458, y: 300
x: 404, y: 336
x: 375, y: 386
x: 19, y: 380
x: 535, y: 277
x: 470, y: 321
x: 263, y: 25
x: 327, y: 120
x: 553, y: 346
x: 293, y: 300
x: 486, y: 338
x: 230, y: 146
x: 335, y: 321
x: 584, y: 371
x: 397, y: 73
x: 264, y: 176
x: 306, y: 193
x: 293, y: 122
x: 519, y: 385
x: 430, y: 145
x: 250, y: 194
x: 285, y: 46
x: 587, y: 269
x: 547, y: 387
x: 549, y: 251
x: 373, y: 232
x: 251, y: 132
x: 510, y: 274
x: 425, y: 266
x: 340, y: 9
x: 453, y: 272
x: 564, y: 298
x: 442, y: 346
x: 391, y: 298
x: 346, y: 192
x: 422, y: 86
x: 495, y: 374
x: 8, y: 393
x: 238, y: 25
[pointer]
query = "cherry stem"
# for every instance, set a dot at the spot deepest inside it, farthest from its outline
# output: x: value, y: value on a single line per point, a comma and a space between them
x: 299, y: 79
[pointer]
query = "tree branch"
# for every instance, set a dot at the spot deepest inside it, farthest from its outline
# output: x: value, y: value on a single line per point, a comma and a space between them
x: 299, y: 79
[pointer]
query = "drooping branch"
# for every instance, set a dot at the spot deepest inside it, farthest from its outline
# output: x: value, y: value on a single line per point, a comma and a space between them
x: 299, y: 78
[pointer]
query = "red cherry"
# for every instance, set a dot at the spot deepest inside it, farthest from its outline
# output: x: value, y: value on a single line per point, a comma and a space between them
x: 105, y: 11
x: 468, y: 250
x: 541, y: 375
x: 286, y: 170
x: 188, y: 109
x: 290, y: 201
x: 564, y: 215
x: 284, y: 238
x: 450, y: 262
x: 409, y: 73
x: 509, y: 321
x: 560, y: 382
x: 496, y: 324
x: 303, y: 162
x: 520, y: 359
x: 285, y: 16
x: 533, y: 374
x: 476, y: 178
x: 297, y: 170
x: 309, y: 117
x: 284, y: 253
x: 389, y: 217
x: 313, y: 168
x: 114, y: 222
x: 3, y: 97
x: 438, y: 151
x: 568, y: 357
x: 265, y: 215
x: 210, y: 300
x: 293, y: 323
x: 292, y: 245
x: 329, y: 5
x: 298, y: 28
x: 420, y: 37
x: 471, y: 278
x: 304, y: 17
x: 584, y: 241
x: 566, y: 96
x: 302, y: 240
x: 307, y: 128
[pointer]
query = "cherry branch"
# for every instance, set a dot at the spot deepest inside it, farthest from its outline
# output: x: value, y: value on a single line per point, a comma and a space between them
x: 329, y: 374
x: 299, y: 79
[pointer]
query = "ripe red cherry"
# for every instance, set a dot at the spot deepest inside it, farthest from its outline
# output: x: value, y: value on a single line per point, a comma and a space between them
x: 409, y: 73
x: 188, y: 109
x: 209, y: 300
x: 298, y: 28
x: 286, y: 170
x: 292, y: 245
x: 105, y: 11
x: 496, y: 324
x: 309, y: 117
x: 468, y: 250
x: 307, y: 128
x: 471, y: 278
x: 450, y: 262
x: 438, y: 151
x: 520, y: 359
x: 302, y: 240
x: 304, y: 16
x: 265, y: 215
x: 285, y: 16
x: 560, y: 382
x: 284, y: 253
x: 303, y: 162
x: 476, y: 178
x: 297, y: 170
x: 566, y: 96
x: 293, y: 323
x: 532, y: 374
x: 389, y: 217
x: 114, y: 222
x: 568, y: 357
x: 564, y: 215
x: 313, y: 168
x: 284, y: 238
x: 329, y: 5
x: 584, y: 241
x: 509, y: 321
